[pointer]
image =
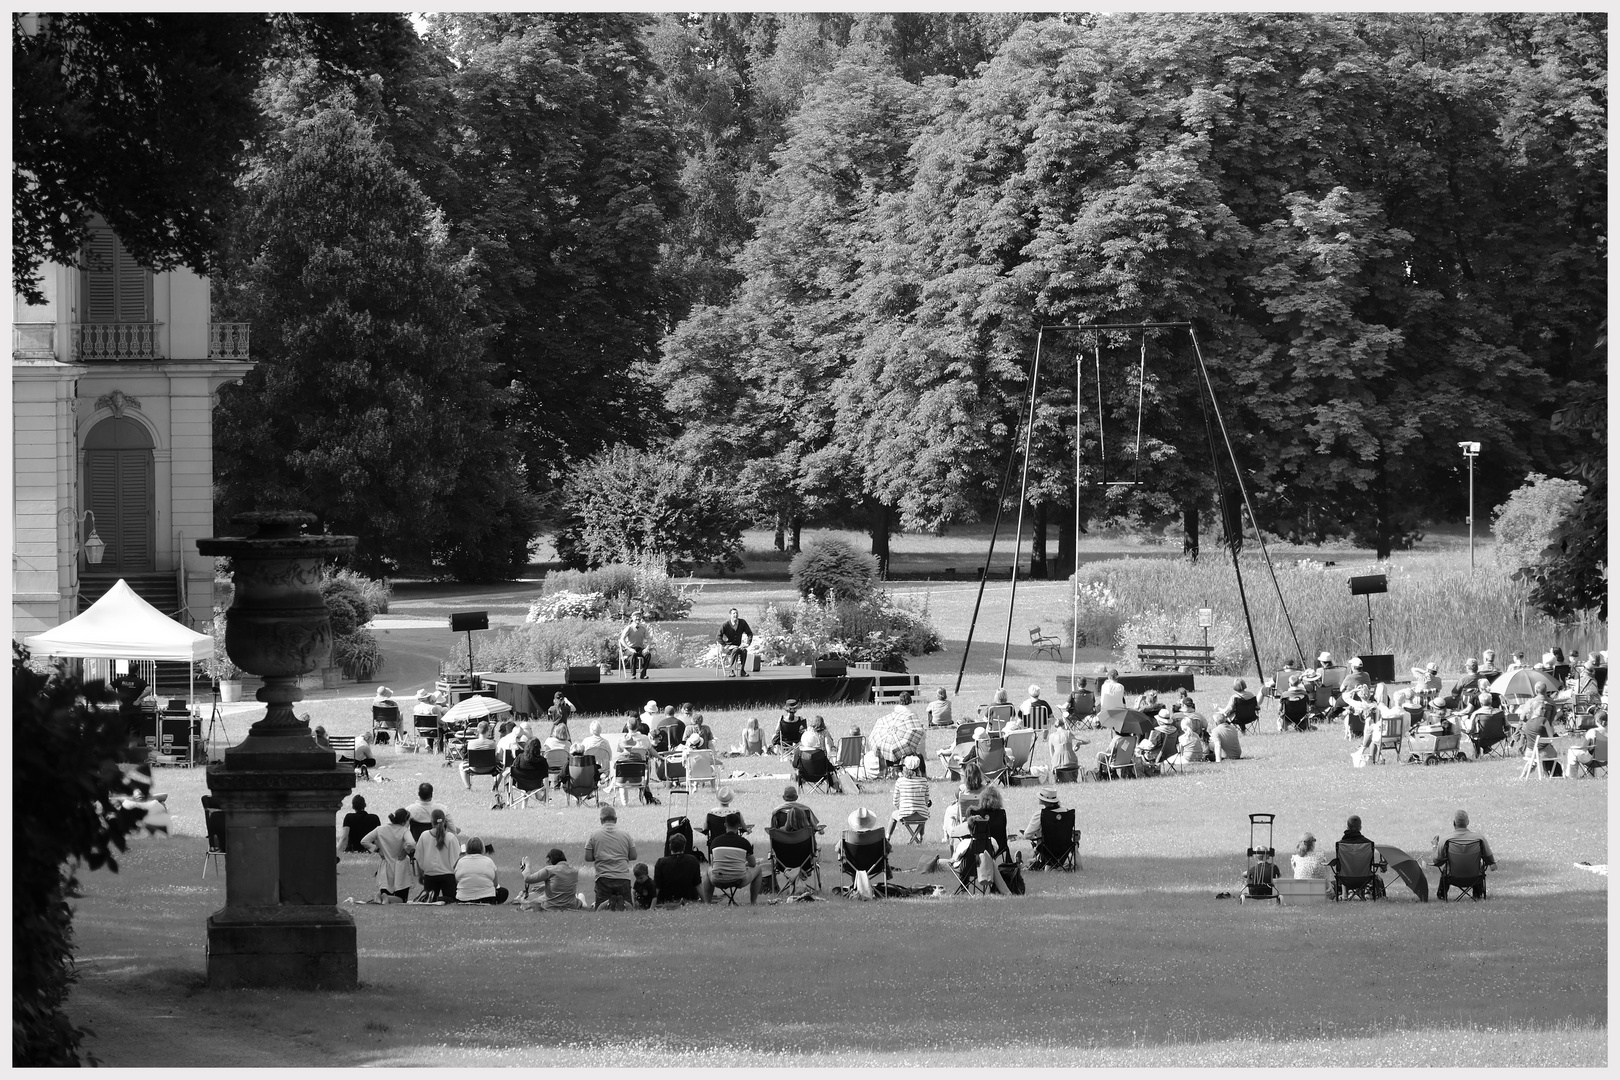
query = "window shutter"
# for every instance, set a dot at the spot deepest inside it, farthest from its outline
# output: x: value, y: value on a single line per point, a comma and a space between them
x: 101, y: 499
x: 100, y: 279
x: 134, y: 290
x: 134, y: 509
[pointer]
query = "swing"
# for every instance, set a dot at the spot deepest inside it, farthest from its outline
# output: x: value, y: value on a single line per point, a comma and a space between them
x: 1102, y: 442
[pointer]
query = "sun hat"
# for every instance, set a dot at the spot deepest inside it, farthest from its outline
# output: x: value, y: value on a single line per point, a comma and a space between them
x: 1355, y: 662
x: 424, y: 694
x: 1324, y: 656
x: 790, y: 794
x: 1047, y: 795
x: 383, y: 691
x: 725, y: 795
x: 1432, y: 668
x: 861, y: 819
x: 651, y: 706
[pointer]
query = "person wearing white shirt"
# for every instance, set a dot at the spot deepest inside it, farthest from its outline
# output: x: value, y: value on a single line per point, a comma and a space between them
x: 1112, y: 694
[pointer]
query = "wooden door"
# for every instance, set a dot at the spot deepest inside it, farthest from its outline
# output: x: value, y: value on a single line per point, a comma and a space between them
x: 121, y: 493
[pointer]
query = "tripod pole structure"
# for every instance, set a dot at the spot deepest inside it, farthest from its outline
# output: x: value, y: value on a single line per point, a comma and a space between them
x: 1370, y: 648
x: 1023, y: 491
x: 995, y: 528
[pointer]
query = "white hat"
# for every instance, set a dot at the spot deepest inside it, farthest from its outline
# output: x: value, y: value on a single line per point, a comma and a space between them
x: 912, y: 761
x: 1355, y: 662
x: 651, y: 706
x: 1325, y: 656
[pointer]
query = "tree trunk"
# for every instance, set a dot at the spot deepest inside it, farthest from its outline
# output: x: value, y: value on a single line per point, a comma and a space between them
x: 1383, y: 533
x: 1066, y: 540
x: 781, y: 522
x: 1189, y: 525
x: 796, y: 526
x: 880, y: 536
x: 1037, y: 544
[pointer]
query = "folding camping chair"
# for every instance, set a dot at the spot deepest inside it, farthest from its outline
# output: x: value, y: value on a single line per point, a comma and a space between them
x: 702, y: 767
x: 991, y: 753
x: 795, y: 859
x: 214, y: 823
x: 1021, y: 751
x: 628, y: 774
x: 1040, y: 716
x: 582, y: 778
x: 384, y: 718
x: 1294, y: 712
x: 1245, y: 711
x: 983, y: 838
x: 1355, y: 874
x: 915, y: 824
x: 671, y: 769
x: 427, y: 730
x: 1059, y: 845
x: 1464, y: 869
x: 717, y: 825
x: 852, y: 756
x: 997, y: 713
x: 728, y: 872
x: 531, y: 782
x: 1490, y: 736
x: 866, y: 849
x: 557, y: 762
x: 814, y: 770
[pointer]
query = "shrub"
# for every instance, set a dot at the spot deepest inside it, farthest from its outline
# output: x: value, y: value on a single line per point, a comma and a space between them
x: 220, y: 666
x: 878, y: 630
x: 1527, y: 524
x: 346, y: 604
x: 66, y: 795
x: 358, y: 654
x: 832, y: 567
x: 645, y: 586
x: 1159, y: 627
x: 568, y: 605
x: 376, y: 592
x: 1099, y: 618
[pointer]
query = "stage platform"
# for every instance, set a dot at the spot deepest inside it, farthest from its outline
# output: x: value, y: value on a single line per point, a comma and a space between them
x: 706, y: 688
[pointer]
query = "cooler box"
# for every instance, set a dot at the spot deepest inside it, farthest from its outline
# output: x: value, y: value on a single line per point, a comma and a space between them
x: 1294, y: 891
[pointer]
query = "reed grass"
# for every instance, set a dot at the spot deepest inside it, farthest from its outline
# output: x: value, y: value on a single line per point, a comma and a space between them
x: 1437, y: 608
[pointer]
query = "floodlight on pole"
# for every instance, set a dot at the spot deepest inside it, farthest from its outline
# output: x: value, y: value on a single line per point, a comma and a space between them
x: 1470, y: 452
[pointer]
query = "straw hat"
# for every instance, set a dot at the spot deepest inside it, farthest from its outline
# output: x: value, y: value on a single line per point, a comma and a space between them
x: 1324, y: 657
x: 1047, y: 796
x: 862, y: 819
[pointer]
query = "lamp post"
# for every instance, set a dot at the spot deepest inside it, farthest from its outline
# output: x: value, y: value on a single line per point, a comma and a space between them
x: 1470, y: 452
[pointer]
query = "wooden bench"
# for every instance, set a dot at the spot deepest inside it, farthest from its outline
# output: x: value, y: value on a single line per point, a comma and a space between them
x: 1199, y: 657
x: 887, y: 689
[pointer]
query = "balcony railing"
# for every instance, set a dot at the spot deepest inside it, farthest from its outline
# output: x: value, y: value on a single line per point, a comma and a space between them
x: 115, y: 341
x: 33, y: 341
x: 228, y: 340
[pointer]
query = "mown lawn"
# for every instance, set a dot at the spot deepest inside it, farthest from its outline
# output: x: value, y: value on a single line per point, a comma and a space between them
x: 1130, y: 962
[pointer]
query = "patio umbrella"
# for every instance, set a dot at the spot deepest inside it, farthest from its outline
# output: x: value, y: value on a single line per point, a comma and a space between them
x: 894, y: 737
x: 1523, y: 683
x: 470, y: 710
x: 1127, y: 722
x: 1407, y: 868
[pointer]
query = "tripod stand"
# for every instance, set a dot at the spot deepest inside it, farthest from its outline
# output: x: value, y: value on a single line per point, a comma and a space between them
x: 215, y: 722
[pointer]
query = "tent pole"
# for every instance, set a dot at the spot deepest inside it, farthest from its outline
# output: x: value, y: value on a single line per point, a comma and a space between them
x: 1023, y: 493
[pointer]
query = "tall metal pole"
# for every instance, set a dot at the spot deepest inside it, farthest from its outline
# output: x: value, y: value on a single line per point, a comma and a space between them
x: 1470, y: 458
x: 1074, y: 581
x: 1006, y: 478
x: 1023, y: 491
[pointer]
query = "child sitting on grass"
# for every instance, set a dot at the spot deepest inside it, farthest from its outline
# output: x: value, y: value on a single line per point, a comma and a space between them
x: 642, y: 887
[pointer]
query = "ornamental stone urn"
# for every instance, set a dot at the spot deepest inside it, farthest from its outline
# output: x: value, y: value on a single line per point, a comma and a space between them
x: 279, y: 788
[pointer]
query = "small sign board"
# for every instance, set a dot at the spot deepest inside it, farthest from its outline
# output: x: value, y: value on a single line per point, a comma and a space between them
x: 1206, y: 616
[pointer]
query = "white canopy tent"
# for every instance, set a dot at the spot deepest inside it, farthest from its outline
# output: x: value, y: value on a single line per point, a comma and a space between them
x: 122, y: 626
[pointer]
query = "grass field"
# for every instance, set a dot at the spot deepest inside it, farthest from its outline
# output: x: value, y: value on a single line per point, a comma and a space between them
x: 1130, y: 962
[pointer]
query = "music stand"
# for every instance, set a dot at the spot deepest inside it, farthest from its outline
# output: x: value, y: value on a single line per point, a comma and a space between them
x: 214, y: 720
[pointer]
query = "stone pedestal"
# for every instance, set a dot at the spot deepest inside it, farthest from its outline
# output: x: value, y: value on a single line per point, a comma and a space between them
x: 279, y: 789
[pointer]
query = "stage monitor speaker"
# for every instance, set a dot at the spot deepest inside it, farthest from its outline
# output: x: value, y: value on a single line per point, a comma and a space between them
x: 1371, y: 583
x: 1380, y: 667
x: 829, y: 669
x: 462, y: 621
x: 583, y: 674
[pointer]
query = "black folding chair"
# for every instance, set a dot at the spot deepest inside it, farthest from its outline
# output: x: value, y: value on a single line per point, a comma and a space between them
x: 794, y: 859
x: 866, y: 850
x: 981, y: 834
x: 1296, y: 712
x: 1245, y: 711
x: 1463, y: 870
x: 583, y: 778
x: 1059, y: 845
x: 628, y: 774
x: 1355, y: 874
x: 815, y: 770
x: 531, y: 782
x: 384, y: 718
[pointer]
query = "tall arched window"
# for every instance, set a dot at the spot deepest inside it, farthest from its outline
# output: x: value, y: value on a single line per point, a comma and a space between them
x: 120, y: 490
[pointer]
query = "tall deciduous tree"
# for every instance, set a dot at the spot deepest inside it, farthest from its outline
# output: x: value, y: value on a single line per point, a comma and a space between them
x: 371, y: 402
x: 140, y: 118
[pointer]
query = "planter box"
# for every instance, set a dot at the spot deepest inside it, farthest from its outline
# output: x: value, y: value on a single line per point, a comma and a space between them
x: 230, y: 690
x: 1297, y: 891
x: 331, y: 678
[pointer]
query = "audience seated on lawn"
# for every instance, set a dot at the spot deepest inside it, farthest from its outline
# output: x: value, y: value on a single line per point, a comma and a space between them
x: 731, y: 862
x: 725, y: 796
x: 1192, y: 746
x: 1596, y: 752
x: 558, y: 739
x: 698, y: 735
x: 1241, y: 708
x: 1045, y: 799
x: 1032, y: 705
x: 753, y: 740
x: 678, y: 876
x: 951, y: 825
x: 789, y: 729
x: 558, y: 881
x: 793, y: 815
x: 863, y: 828
x: 1441, y: 858
x: 1159, y: 743
x: 1121, y: 751
x: 437, y: 852
x: 356, y: 827
x: 394, y: 844
x: 1061, y: 744
x: 611, y: 850
x: 1309, y: 862
x: 939, y: 710
x: 1112, y: 693
x: 477, y: 880
x: 642, y: 890
x: 421, y: 812
x: 911, y: 799
x: 1224, y: 740
x: 1150, y: 706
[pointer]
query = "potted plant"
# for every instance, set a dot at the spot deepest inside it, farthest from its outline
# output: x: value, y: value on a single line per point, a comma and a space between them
x: 220, y: 667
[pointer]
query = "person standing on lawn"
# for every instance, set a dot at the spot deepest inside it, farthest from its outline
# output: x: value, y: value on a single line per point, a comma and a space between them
x: 612, y: 851
x: 735, y: 637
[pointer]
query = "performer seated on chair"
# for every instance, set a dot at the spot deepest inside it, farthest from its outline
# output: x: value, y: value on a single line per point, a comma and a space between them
x: 635, y: 641
x: 735, y: 637
x: 910, y: 793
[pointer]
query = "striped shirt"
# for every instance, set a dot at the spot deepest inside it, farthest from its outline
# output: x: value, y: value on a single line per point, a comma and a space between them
x: 911, y: 795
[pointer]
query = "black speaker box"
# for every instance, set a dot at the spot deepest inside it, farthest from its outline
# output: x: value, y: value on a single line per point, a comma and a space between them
x: 584, y: 674
x: 1380, y: 667
x: 829, y: 669
x: 462, y: 621
x: 1371, y: 583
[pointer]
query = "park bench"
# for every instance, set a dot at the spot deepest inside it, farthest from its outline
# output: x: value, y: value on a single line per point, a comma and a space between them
x: 1198, y: 657
x: 887, y: 689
